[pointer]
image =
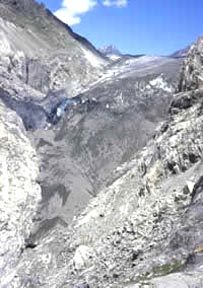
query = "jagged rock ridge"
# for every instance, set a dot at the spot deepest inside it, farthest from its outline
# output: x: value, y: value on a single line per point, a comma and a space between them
x: 181, y: 53
x: 42, y: 51
x: 111, y: 51
x: 191, y: 76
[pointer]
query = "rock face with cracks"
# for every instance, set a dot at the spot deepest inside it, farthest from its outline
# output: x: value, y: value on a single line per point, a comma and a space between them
x: 191, y: 76
x: 42, y: 51
x: 19, y: 192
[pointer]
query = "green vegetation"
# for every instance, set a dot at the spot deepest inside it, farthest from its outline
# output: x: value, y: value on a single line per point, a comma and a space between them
x: 167, y: 269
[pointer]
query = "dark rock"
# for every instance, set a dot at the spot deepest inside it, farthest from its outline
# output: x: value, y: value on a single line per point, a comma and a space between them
x: 198, y: 188
x: 82, y: 286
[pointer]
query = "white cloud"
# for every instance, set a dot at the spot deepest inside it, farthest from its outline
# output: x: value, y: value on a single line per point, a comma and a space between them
x: 71, y: 10
x: 117, y: 3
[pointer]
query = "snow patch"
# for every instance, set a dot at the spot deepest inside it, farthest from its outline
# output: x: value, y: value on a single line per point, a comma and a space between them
x: 142, y: 60
x: 160, y: 83
x: 82, y: 257
x: 5, y: 47
x: 85, y: 219
x: 93, y: 59
x: 113, y: 57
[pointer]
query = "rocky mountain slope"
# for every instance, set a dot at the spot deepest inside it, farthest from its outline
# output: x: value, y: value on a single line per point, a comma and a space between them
x: 20, y: 194
x: 116, y: 117
x: 113, y: 116
x: 181, y: 53
x: 191, y: 75
x: 111, y: 52
x: 95, y: 187
x: 144, y: 230
x: 110, y: 49
x: 43, y: 52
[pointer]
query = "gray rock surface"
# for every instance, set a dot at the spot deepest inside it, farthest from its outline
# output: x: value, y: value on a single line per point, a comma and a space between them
x: 191, y: 76
x: 145, y: 229
x: 19, y: 192
x: 44, y: 52
x: 127, y: 152
x: 181, y: 53
x: 118, y: 116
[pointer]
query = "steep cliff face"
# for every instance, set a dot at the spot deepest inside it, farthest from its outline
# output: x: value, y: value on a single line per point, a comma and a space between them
x: 191, y: 76
x: 145, y: 230
x: 19, y: 192
x: 43, y: 52
x: 39, y: 55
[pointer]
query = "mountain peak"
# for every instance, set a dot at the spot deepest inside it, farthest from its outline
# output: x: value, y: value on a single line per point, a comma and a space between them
x: 110, y: 50
x: 181, y: 53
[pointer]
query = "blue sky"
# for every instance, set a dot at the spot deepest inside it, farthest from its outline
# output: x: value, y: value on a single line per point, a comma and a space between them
x: 134, y: 26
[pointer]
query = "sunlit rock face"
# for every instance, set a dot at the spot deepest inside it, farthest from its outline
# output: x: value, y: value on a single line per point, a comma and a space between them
x: 191, y: 76
x: 44, y: 52
x: 111, y: 52
x: 19, y: 192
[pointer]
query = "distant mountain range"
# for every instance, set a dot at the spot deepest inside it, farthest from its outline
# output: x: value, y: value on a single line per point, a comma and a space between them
x: 181, y: 53
x: 111, y: 51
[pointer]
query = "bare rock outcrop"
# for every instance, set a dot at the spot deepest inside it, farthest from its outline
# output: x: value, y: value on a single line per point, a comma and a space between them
x: 19, y: 192
x: 43, y: 52
x: 191, y: 76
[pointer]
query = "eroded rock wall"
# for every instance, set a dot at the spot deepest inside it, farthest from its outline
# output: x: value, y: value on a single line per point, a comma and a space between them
x: 19, y: 192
